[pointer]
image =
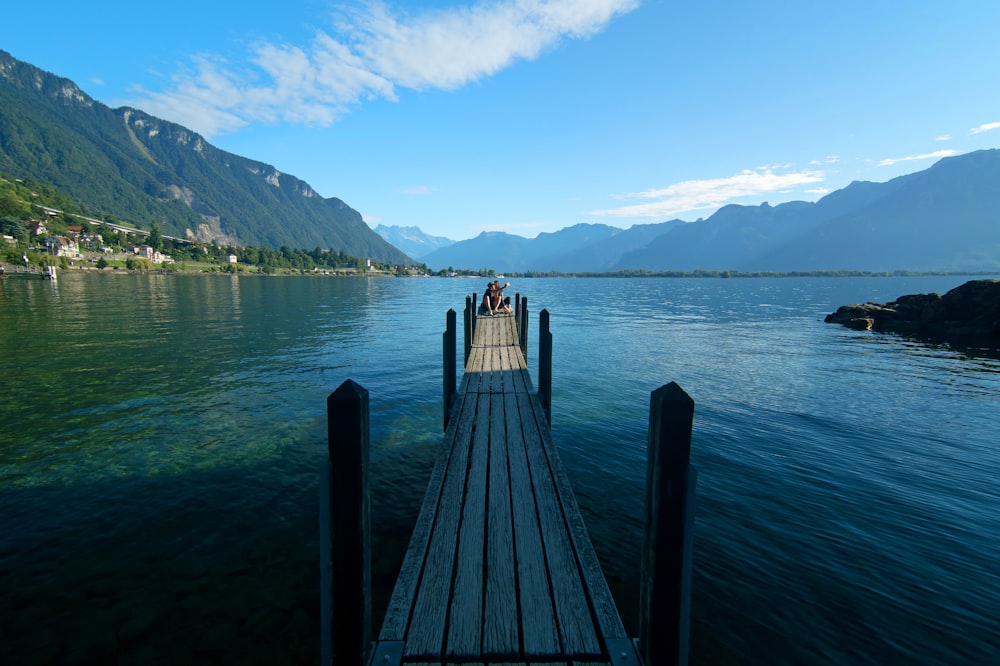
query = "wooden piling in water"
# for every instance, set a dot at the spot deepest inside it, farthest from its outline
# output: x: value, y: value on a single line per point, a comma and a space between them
x: 475, y: 310
x: 665, y: 593
x: 470, y: 304
x: 522, y: 327
x: 545, y: 364
x: 448, y: 340
x: 346, y: 530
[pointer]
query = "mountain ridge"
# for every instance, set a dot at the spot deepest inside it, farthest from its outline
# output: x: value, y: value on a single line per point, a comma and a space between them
x: 125, y: 163
x: 944, y: 218
x: 411, y: 240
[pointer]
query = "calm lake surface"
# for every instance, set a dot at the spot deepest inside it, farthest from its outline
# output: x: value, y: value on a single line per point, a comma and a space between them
x: 161, y: 437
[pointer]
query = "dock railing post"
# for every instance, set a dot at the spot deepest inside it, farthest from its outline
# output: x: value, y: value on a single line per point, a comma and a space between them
x: 523, y: 328
x: 475, y: 309
x: 345, y: 531
x: 448, y: 340
x: 467, y: 320
x: 665, y: 593
x: 545, y: 364
x: 517, y: 313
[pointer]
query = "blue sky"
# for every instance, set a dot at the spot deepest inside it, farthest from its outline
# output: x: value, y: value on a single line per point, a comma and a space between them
x: 531, y: 115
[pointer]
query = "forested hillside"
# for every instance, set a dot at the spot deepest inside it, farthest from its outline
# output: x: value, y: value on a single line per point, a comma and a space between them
x: 127, y: 165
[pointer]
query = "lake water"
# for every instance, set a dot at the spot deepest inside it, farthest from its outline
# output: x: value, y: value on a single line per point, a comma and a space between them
x: 161, y: 435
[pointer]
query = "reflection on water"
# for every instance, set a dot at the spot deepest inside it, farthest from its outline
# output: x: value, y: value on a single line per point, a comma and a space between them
x: 161, y: 437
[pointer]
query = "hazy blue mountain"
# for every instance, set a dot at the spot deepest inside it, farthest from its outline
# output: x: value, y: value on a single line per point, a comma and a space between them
x: 508, y: 252
x: 128, y: 165
x: 411, y: 240
x: 944, y: 218
x: 724, y: 240
x: 604, y: 255
x: 490, y: 249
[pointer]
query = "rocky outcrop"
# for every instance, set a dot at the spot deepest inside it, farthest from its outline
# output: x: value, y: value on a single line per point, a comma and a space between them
x: 969, y: 313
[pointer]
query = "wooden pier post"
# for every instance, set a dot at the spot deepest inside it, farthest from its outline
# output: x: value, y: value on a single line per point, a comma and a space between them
x: 665, y: 595
x: 545, y: 364
x: 448, y: 340
x: 467, y: 320
x: 522, y: 328
x: 517, y: 311
x: 475, y: 310
x: 345, y: 531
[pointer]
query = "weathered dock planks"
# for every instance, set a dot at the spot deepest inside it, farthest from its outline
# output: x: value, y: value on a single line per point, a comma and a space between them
x: 500, y: 568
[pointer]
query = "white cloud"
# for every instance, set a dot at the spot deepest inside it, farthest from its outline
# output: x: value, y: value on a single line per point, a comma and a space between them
x: 416, y: 190
x: 985, y: 128
x: 937, y: 154
x: 943, y: 137
x: 829, y: 159
x: 375, y: 50
x: 691, y: 195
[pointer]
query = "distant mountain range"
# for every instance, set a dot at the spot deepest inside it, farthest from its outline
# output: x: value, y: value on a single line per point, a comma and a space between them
x: 125, y: 165
x: 411, y: 240
x: 130, y: 166
x: 946, y: 218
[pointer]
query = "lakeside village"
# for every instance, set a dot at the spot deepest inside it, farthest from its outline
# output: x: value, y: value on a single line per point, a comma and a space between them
x: 42, y: 229
x: 69, y: 241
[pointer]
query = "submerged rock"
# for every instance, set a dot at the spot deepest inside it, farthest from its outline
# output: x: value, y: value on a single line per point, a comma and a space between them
x: 969, y: 313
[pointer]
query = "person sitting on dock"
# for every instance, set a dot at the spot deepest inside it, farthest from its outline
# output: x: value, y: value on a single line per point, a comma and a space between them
x: 500, y: 302
x: 486, y: 307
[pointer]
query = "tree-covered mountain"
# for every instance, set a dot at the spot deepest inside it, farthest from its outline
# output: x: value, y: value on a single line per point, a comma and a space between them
x: 945, y: 218
x: 411, y: 240
x: 126, y: 165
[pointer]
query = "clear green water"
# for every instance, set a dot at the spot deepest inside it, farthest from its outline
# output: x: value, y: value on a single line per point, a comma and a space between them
x: 160, y: 439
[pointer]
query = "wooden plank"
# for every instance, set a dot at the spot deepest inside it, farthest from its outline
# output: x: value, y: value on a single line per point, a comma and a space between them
x: 511, y: 330
x: 426, y: 634
x: 603, y: 604
x: 576, y: 627
x: 489, y: 355
x: 496, y: 374
x: 500, y: 635
x: 397, y: 615
x: 516, y: 378
x: 473, y: 372
x: 538, y: 620
x: 465, y: 627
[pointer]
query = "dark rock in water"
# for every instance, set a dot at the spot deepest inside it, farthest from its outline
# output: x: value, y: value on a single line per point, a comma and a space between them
x: 969, y: 313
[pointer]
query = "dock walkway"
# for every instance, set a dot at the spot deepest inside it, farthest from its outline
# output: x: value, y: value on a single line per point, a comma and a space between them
x: 500, y: 568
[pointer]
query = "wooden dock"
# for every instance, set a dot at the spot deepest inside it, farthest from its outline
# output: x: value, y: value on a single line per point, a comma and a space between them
x: 500, y: 568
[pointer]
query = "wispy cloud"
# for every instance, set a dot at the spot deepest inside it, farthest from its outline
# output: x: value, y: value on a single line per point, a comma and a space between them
x: 985, y: 128
x: 937, y: 154
x: 375, y: 51
x: 692, y: 195
x: 943, y: 137
x: 829, y: 159
x: 416, y: 190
